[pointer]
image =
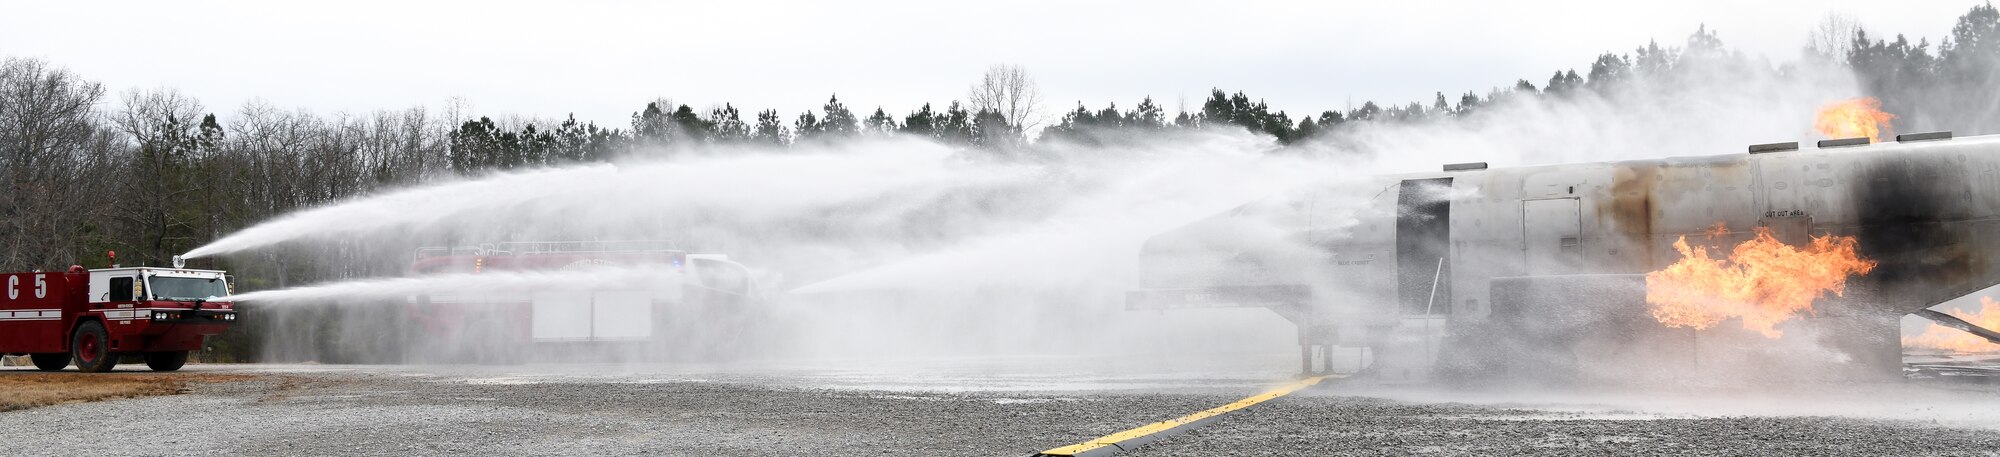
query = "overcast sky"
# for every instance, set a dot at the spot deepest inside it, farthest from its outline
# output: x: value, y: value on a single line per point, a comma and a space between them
x: 604, y: 59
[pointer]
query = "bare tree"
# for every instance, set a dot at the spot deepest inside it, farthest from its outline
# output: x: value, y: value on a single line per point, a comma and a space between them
x: 1010, y: 91
x: 1833, y: 37
x: 53, y: 144
x: 163, y: 126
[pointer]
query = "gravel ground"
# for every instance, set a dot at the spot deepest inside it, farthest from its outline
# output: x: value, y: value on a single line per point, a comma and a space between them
x: 316, y: 410
x: 1364, y: 426
x: 398, y: 411
x: 1830, y: 422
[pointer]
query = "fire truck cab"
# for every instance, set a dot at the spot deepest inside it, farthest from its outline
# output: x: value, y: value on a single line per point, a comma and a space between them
x: 96, y: 317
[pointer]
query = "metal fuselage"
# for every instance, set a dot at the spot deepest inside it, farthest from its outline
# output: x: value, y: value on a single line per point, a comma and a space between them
x: 1430, y: 245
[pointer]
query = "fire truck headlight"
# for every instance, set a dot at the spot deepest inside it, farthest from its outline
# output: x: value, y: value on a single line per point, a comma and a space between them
x: 229, y: 317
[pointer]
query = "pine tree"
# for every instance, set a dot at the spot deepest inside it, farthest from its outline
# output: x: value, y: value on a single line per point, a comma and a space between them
x: 604, y: 143
x: 955, y: 127
x: 1558, y: 85
x: 1148, y: 115
x: 1609, y: 70
x: 727, y: 125
x: 652, y: 127
x: 1307, y: 129
x: 534, y: 147
x: 839, y: 122
x: 990, y: 130
x: 1968, y: 66
x: 1413, y: 112
x: 1888, y: 69
x: 1523, y: 86
x: 510, y: 149
x: 1278, y: 125
x: 1244, y: 113
x: 1330, y: 119
x: 687, y: 125
x: 1072, y: 126
x: 209, y: 141
x: 1972, y: 53
x: 1651, y: 61
x: 770, y: 129
x: 1216, y: 110
x: 1367, y: 112
x: 807, y: 127
x: 473, y: 146
x: 880, y: 123
x: 1108, y: 118
x: 921, y: 123
x: 1082, y: 118
x: 571, y: 141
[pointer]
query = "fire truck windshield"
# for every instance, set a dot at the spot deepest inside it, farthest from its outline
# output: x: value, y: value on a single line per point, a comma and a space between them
x: 166, y: 288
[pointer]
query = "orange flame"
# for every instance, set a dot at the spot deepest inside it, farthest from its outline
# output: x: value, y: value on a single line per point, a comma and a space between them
x: 1763, y: 282
x: 1954, y: 340
x: 1721, y: 229
x: 1854, y: 118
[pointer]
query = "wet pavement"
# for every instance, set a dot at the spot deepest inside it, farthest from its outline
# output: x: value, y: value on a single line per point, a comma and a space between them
x: 983, y: 406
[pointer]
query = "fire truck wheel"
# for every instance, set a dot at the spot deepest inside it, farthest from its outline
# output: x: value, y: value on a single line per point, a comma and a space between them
x: 166, y: 361
x: 92, y: 348
x: 51, y: 361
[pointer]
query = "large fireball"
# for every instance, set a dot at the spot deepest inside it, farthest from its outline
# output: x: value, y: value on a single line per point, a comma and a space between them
x: 1853, y: 118
x: 1763, y: 281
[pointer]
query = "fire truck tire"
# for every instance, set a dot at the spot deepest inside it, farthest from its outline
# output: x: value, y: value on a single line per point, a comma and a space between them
x: 91, y: 347
x: 51, y: 361
x: 166, y: 361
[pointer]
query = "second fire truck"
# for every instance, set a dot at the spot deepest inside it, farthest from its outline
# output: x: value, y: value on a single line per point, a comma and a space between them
x: 695, y: 305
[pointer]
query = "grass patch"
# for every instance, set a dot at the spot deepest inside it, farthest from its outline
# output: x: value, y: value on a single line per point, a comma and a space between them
x: 35, y: 389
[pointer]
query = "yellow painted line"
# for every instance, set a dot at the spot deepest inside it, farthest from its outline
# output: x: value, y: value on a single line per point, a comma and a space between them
x: 1120, y: 441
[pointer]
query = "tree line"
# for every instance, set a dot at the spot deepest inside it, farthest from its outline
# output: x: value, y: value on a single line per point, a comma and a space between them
x: 1953, y: 88
x: 152, y: 173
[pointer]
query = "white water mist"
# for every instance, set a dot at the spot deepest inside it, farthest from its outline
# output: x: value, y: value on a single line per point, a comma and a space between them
x: 749, y: 186
x: 517, y: 283
x: 909, y: 244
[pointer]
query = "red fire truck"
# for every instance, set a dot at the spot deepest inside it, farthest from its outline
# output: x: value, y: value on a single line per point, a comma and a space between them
x: 704, y: 289
x: 98, y: 316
